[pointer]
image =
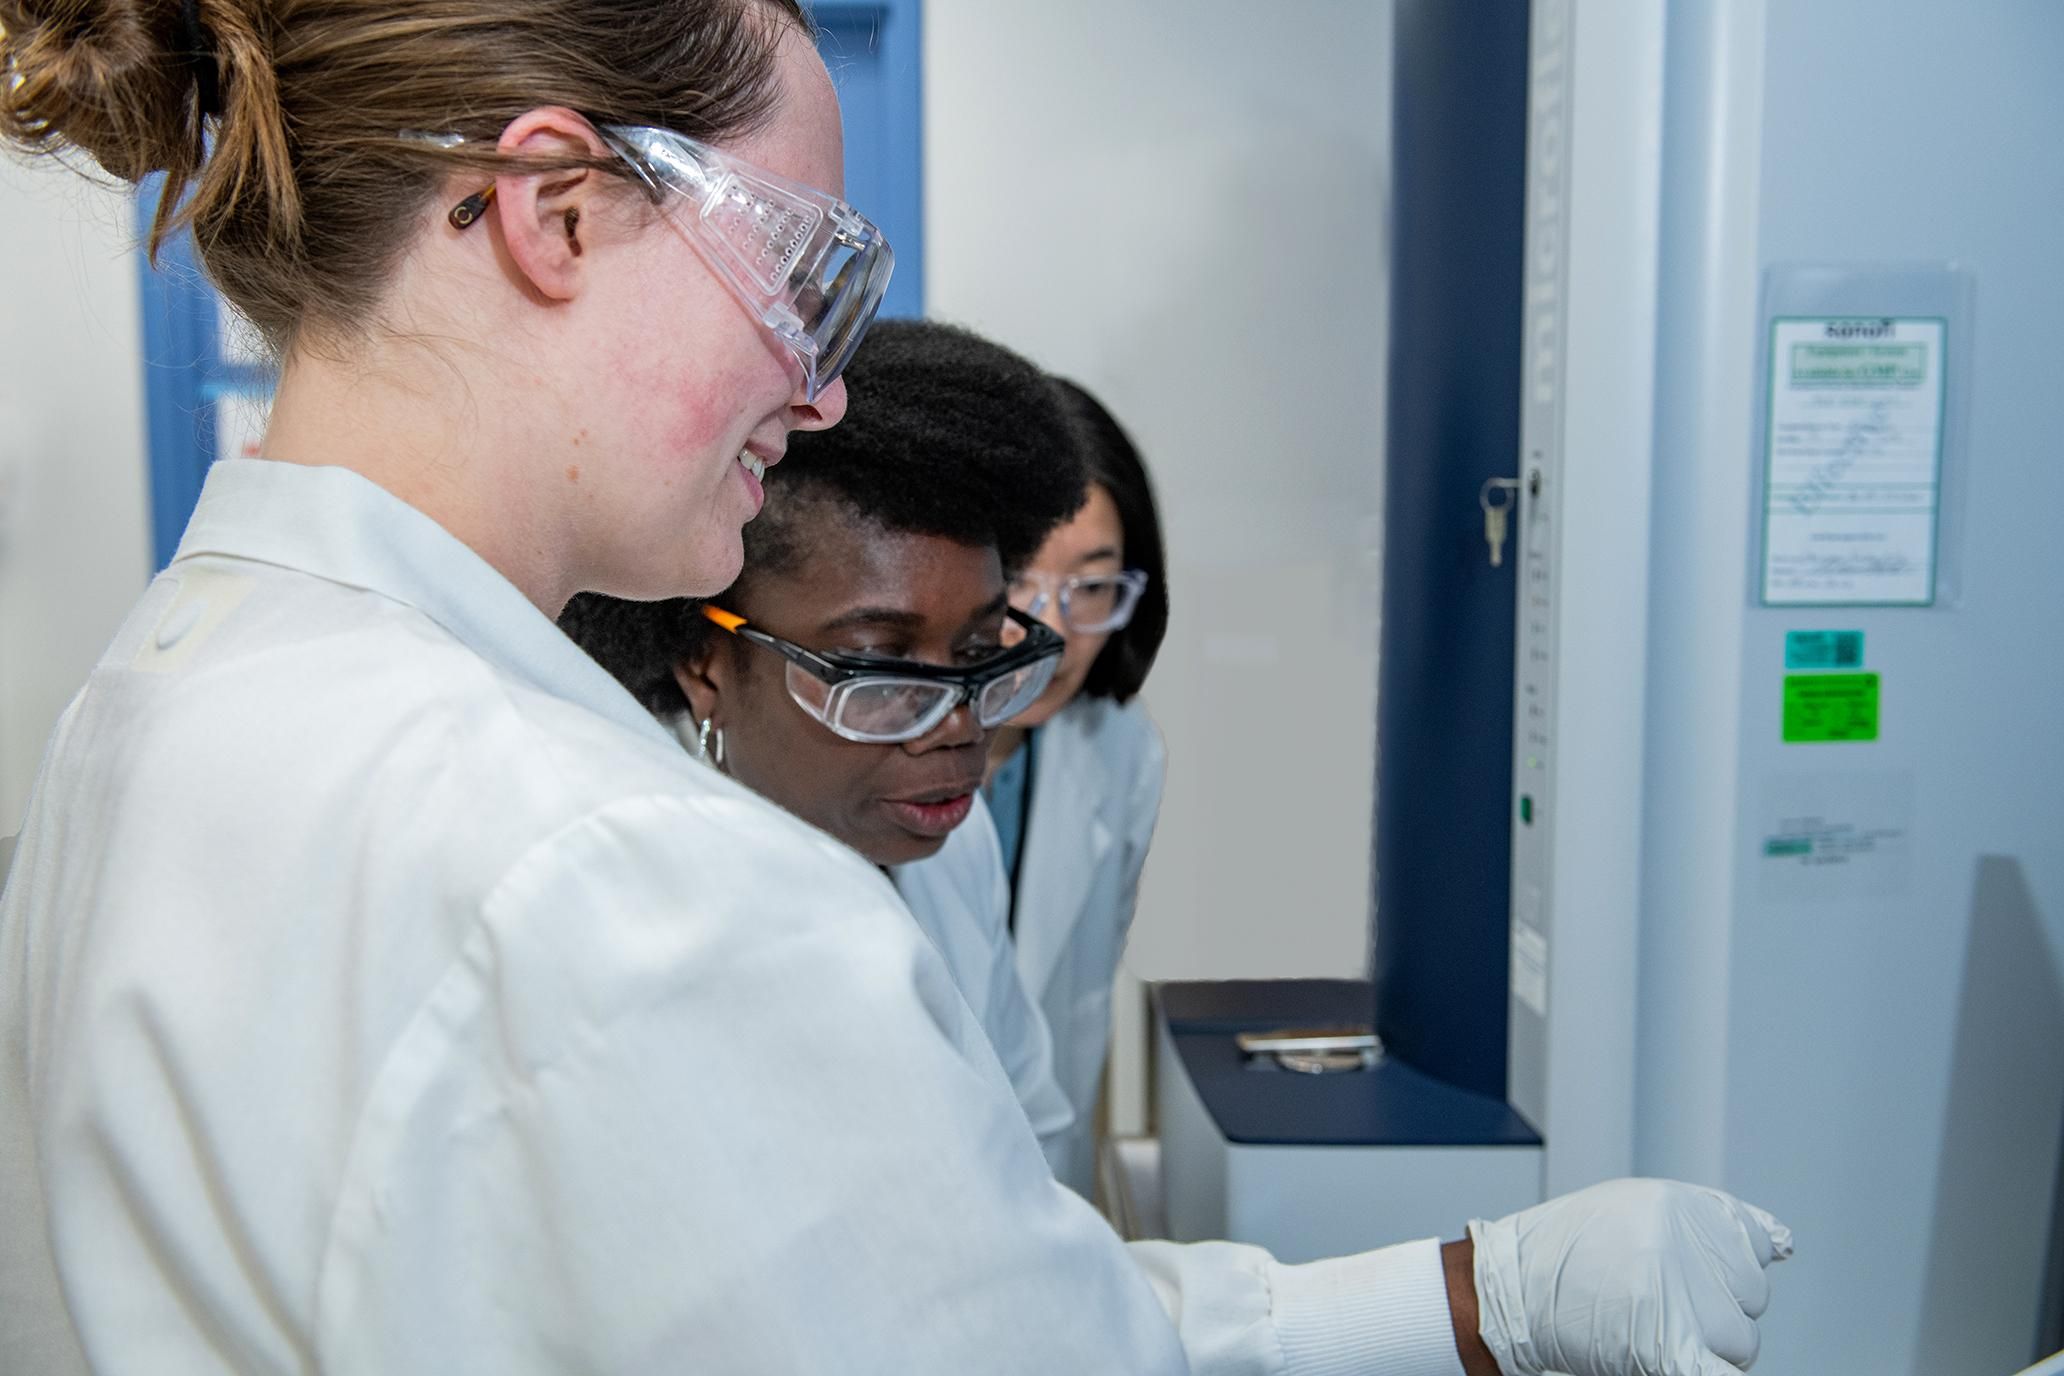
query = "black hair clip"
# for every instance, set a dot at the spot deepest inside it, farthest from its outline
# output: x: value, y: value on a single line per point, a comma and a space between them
x: 472, y: 208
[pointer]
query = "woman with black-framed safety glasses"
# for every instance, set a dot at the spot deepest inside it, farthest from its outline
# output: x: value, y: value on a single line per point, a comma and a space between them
x: 856, y: 671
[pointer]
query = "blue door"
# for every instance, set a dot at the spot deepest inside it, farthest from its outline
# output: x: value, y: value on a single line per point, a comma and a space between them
x: 872, y: 52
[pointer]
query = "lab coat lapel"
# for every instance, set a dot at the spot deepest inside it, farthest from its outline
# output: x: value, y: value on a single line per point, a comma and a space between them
x: 341, y: 526
x: 1065, y: 844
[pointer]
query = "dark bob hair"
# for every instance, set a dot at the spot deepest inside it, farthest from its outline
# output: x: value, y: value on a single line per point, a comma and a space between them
x: 1114, y: 465
x: 945, y: 434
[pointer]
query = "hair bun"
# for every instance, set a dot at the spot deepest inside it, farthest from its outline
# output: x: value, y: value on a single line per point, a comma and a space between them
x: 117, y: 79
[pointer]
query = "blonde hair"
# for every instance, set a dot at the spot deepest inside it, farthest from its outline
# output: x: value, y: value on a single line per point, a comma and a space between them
x: 281, y: 127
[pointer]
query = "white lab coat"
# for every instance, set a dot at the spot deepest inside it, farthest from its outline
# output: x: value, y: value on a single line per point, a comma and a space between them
x: 1096, y: 794
x: 961, y: 898
x: 382, y: 990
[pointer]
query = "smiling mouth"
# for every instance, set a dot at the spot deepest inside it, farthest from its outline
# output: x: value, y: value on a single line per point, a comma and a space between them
x: 753, y: 464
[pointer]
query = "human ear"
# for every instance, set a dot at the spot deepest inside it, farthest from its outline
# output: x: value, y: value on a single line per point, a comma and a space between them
x: 701, y: 680
x: 541, y: 214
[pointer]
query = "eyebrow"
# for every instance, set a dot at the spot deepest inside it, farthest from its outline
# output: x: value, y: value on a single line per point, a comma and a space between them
x: 886, y: 618
x: 896, y: 619
x: 993, y: 607
x: 1106, y: 552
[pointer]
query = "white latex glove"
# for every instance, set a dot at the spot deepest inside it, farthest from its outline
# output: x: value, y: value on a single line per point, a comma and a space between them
x: 1628, y: 1278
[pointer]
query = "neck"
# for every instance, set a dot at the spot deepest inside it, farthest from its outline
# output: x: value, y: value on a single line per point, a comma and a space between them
x: 424, y: 430
x: 1004, y: 744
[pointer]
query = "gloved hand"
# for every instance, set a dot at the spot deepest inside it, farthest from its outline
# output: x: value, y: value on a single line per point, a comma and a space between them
x: 1628, y: 1278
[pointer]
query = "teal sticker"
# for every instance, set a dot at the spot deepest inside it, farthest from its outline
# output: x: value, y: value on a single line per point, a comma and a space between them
x: 1823, y: 650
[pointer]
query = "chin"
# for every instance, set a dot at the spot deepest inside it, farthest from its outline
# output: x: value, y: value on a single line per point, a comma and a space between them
x: 905, y: 850
x: 713, y: 568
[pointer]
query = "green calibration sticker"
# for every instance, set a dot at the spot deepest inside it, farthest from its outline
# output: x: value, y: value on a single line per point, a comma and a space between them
x: 1823, y: 650
x: 1830, y: 707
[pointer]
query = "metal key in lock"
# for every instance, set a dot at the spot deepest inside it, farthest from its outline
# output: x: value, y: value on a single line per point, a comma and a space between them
x: 1496, y: 499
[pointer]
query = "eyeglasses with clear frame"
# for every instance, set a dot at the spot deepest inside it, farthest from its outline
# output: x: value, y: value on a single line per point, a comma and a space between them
x: 1090, y: 603
x: 806, y: 265
x: 891, y: 701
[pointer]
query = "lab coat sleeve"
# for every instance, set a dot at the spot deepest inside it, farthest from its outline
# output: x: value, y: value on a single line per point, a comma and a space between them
x: 1384, y: 1313
x: 1026, y: 1048
x: 695, y: 1097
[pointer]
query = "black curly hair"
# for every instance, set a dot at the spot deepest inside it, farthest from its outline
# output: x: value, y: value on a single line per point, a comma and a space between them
x: 945, y: 434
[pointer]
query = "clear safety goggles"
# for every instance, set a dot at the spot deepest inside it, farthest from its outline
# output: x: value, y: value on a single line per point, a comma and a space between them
x: 808, y: 267
x: 889, y: 701
x: 1090, y: 602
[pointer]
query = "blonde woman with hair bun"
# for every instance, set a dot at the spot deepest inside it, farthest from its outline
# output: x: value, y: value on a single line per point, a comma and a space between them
x: 382, y: 989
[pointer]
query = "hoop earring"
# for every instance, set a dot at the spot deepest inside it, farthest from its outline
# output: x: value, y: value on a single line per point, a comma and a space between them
x: 709, y: 733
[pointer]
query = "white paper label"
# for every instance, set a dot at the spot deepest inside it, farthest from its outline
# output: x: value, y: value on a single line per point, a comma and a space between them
x: 1854, y: 461
x: 1829, y: 837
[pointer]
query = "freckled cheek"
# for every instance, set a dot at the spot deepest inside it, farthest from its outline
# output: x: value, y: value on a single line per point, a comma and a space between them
x: 674, y: 415
x: 692, y: 396
x: 704, y: 418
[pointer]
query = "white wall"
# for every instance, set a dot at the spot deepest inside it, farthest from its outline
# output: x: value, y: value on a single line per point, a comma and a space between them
x: 1183, y: 208
x: 1883, y: 1069
x: 74, y: 542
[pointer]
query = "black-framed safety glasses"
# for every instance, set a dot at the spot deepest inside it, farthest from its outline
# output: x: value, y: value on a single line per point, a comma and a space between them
x: 889, y: 701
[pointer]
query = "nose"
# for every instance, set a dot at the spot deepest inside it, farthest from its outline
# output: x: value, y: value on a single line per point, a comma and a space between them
x: 958, y: 731
x: 828, y: 410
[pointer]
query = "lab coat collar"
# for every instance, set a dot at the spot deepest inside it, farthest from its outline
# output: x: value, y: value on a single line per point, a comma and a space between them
x: 1065, y: 842
x: 340, y: 526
